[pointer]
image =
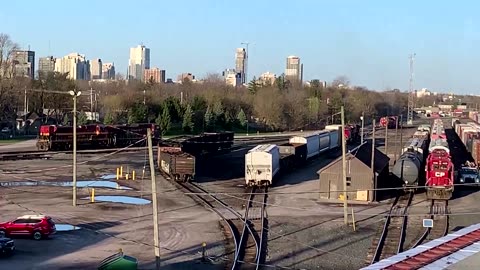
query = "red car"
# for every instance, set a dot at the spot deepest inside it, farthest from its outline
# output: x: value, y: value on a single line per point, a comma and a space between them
x: 37, y: 227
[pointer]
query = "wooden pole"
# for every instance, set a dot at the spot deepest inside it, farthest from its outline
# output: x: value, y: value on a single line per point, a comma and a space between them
x: 372, y: 164
x: 156, y: 240
x: 344, y: 169
x: 386, y: 138
x: 396, y: 137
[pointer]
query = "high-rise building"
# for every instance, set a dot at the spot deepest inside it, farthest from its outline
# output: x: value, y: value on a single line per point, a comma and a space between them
x: 185, y: 76
x: 77, y: 67
x: 138, y: 62
x: 232, y: 77
x: 24, y: 63
x: 155, y: 74
x: 108, y: 71
x: 294, y: 69
x: 267, y: 78
x: 46, y: 65
x: 240, y: 62
x: 96, y: 69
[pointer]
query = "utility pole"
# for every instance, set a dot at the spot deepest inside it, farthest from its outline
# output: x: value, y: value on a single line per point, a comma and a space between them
x: 386, y: 138
x: 246, y: 61
x: 91, y: 100
x: 25, y: 109
x: 396, y: 137
x: 75, y: 94
x: 144, y: 101
x: 372, y: 164
x: 361, y: 131
x: 156, y: 240
x: 344, y: 169
x: 401, y: 131
x: 411, y: 93
x: 181, y: 98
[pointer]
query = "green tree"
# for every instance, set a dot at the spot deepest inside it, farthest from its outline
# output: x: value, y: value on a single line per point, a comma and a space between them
x: 137, y: 114
x: 187, y: 123
x: 253, y: 86
x: 209, y: 118
x: 281, y: 83
x: 242, y: 118
x: 218, y: 114
x: 109, y: 118
x: 82, y: 118
x: 66, y: 120
x: 163, y: 120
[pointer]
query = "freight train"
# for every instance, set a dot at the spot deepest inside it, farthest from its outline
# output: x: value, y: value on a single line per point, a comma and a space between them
x: 265, y: 162
x: 439, y: 166
x: 469, y: 135
x: 177, y: 157
x: 94, y: 136
x: 410, y: 165
x: 390, y: 121
x: 352, y: 132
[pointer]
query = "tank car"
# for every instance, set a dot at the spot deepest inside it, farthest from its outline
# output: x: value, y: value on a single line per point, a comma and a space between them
x: 409, y: 165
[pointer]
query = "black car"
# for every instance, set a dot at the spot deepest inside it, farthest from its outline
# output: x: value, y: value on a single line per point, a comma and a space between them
x: 7, y: 245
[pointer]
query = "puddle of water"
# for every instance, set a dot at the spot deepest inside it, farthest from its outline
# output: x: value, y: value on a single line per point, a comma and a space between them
x: 120, y: 199
x: 66, y: 227
x: 109, y: 177
x: 97, y: 184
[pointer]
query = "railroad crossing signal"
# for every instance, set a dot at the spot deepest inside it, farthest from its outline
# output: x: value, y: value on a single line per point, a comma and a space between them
x: 428, y: 223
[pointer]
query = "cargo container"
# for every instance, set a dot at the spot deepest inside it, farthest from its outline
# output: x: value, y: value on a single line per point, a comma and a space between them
x: 312, y: 141
x: 324, y: 141
x: 335, y: 138
x: 177, y: 164
x: 262, y: 164
x: 476, y: 150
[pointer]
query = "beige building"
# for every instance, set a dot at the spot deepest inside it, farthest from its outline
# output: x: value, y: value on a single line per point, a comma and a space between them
x: 77, y: 67
x: 24, y: 63
x: 108, y: 71
x: 240, y: 63
x: 138, y: 62
x: 267, y: 78
x: 184, y: 76
x: 155, y: 74
x: 232, y: 77
x: 46, y: 64
x: 294, y: 69
x: 96, y: 69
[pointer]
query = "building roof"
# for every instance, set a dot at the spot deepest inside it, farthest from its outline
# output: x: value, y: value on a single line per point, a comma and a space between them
x: 458, y: 250
x: 364, y: 154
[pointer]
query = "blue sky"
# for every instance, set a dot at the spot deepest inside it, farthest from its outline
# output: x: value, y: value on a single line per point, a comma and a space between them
x: 368, y: 41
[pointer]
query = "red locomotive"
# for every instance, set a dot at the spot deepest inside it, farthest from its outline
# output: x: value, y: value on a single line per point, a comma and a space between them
x: 391, y: 121
x: 439, y: 169
x: 94, y: 136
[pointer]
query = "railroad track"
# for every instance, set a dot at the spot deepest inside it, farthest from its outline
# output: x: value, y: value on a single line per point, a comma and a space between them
x: 391, y: 238
x: 439, y: 215
x: 252, y: 248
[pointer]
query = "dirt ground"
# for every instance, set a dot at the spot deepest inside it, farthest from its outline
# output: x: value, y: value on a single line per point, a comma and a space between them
x: 304, y: 231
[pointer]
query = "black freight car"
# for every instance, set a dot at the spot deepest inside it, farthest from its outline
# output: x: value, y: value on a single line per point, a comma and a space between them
x: 177, y: 164
x: 292, y: 155
x: 208, y: 143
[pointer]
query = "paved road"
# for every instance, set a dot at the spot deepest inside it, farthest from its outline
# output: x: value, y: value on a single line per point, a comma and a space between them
x: 28, y: 145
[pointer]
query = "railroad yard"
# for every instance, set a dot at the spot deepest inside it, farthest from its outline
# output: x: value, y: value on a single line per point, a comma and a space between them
x: 302, y: 230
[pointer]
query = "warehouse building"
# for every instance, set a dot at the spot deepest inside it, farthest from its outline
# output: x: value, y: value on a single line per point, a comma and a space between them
x: 360, y: 181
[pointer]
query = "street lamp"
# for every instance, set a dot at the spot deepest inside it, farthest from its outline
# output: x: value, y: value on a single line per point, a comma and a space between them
x: 75, y: 94
x: 361, y: 131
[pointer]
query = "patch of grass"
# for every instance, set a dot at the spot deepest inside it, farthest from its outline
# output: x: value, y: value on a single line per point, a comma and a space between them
x: 12, y: 141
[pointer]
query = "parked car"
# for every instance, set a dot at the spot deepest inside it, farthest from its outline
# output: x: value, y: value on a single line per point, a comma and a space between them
x: 34, y: 226
x: 7, y: 246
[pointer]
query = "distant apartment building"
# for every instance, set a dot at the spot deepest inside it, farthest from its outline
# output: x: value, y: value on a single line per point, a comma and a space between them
x: 24, y: 63
x: 322, y: 84
x: 46, y: 65
x: 108, y: 71
x: 138, y: 62
x: 240, y: 63
x: 267, y: 78
x: 185, y: 76
x: 294, y: 69
x: 154, y: 74
x: 96, y: 69
x: 232, y: 77
x: 77, y: 67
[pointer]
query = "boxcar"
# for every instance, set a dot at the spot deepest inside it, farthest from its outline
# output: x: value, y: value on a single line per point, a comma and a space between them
x: 177, y: 164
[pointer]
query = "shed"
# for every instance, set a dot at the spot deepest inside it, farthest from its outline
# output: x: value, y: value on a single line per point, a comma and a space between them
x: 360, y: 182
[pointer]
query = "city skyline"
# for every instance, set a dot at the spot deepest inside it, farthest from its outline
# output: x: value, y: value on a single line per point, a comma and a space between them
x: 368, y: 43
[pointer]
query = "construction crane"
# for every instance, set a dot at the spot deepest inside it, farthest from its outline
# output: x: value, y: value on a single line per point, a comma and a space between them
x: 411, y: 93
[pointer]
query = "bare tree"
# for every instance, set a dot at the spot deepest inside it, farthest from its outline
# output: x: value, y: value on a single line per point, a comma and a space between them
x: 341, y: 81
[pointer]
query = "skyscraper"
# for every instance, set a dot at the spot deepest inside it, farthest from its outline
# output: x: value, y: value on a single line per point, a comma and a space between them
x: 108, y: 71
x: 294, y: 69
x: 77, y: 67
x: 240, y: 60
x: 96, y: 69
x: 138, y: 62
x: 24, y: 63
x: 46, y: 65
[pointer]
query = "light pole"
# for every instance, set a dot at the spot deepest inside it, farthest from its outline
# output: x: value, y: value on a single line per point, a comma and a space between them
x: 361, y: 131
x: 75, y: 94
